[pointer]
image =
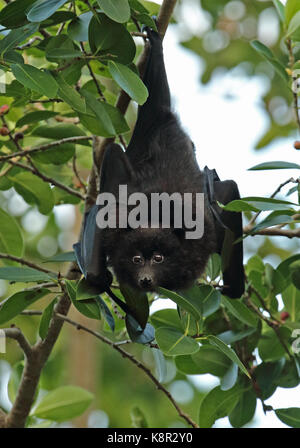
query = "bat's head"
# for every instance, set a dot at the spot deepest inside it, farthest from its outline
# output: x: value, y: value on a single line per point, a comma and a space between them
x: 147, y: 258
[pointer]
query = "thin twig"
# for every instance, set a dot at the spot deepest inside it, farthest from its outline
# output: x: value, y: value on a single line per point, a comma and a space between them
x: 34, y: 170
x: 28, y: 263
x: 50, y: 145
x: 131, y: 358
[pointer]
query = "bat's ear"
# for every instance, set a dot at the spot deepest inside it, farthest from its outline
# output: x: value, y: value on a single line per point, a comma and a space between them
x: 230, y: 243
x: 116, y: 169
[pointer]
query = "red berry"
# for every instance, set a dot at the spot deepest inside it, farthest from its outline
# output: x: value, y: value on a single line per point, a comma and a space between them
x: 284, y: 315
x: 4, y: 109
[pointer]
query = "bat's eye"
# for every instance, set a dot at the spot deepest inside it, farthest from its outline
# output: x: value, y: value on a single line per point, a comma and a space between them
x: 158, y: 258
x: 137, y: 259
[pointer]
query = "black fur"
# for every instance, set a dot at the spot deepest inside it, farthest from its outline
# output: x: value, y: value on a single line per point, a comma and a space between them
x: 160, y: 158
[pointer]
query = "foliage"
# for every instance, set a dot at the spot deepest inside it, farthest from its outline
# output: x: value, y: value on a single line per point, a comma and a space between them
x: 64, y: 63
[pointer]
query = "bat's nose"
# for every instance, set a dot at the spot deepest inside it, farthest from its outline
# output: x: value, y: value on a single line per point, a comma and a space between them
x: 146, y: 281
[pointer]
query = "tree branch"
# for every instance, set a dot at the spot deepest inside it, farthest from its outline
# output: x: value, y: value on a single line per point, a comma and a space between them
x: 28, y: 263
x: 50, y: 145
x: 45, y: 178
x: 16, y: 334
x: 124, y: 354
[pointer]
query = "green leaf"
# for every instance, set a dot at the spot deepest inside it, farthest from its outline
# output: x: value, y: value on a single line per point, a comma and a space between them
x: 18, y: 302
x: 41, y: 10
x: 208, y: 359
x: 24, y: 275
x: 63, y: 257
x: 218, y: 404
x: 267, y: 54
x: 294, y: 24
x: 230, y: 377
x: 46, y: 318
x: 228, y: 352
x: 267, y: 374
x: 295, y: 273
x: 213, y: 267
x: 291, y: 8
x: 100, y: 112
x: 63, y: 53
x: 240, y: 311
x: 229, y: 337
x: 70, y: 95
x: 16, y: 37
x: 86, y: 291
x: 274, y: 219
x: 291, y: 300
x: 161, y: 366
x: 258, y: 204
x: 289, y: 416
x: 270, y: 347
x: 166, y: 318
x: 33, y: 190
x: 244, y: 410
x: 88, y: 308
x: 103, y: 33
x: 128, y: 81
x: 173, y: 343
x: 33, y: 117
x: 94, y: 125
x: 63, y: 403
x: 280, y: 9
x: 117, y: 10
x: 57, y: 155
x: 13, y: 14
x: 78, y: 29
x: 275, y: 166
x: 11, y: 240
x: 187, y: 303
x: 60, y: 131
x: 35, y: 79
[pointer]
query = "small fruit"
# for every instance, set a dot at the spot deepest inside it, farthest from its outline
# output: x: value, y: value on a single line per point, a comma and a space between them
x: 297, y: 144
x: 4, y: 109
x: 284, y: 315
x: 4, y: 130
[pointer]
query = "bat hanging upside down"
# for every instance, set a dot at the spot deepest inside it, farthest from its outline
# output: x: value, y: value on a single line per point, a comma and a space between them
x: 160, y: 158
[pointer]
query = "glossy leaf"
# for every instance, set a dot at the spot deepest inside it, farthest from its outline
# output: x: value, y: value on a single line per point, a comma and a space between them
x: 289, y: 416
x: 228, y: 352
x: 173, y: 343
x: 218, y: 404
x: 18, y: 302
x: 63, y: 403
x: 35, y: 79
x: 117, y: 10
x: 128, y: 81
x: 41, y: 10
x: 11, y: 240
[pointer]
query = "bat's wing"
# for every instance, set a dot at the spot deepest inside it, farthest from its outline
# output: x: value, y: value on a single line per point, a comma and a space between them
x: 89, y: 251
x: 229, y: 229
